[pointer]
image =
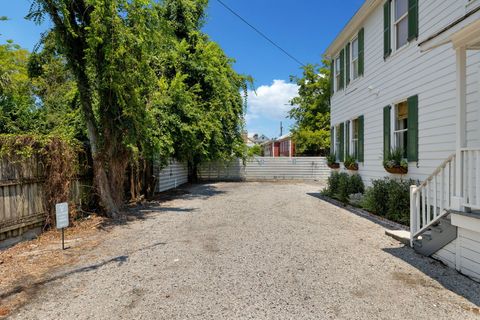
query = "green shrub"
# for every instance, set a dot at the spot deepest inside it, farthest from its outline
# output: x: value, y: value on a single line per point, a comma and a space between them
x: 376, y: 196
x: 342, y: 185
x: 389, y: 198
x: 398, y: 205
x: 356, y: 184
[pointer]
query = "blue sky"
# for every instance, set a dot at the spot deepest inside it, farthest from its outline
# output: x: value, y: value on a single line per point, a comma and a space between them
x: 303, y: 27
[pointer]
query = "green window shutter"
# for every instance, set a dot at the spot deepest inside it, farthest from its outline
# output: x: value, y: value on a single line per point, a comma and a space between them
x: 342, y: 68
x: 341, y: 135
x: 347, y: 138
x: 332, y: 77
x: 386, y: 131
x: 387, y: 35
x: 412, y: 133
x: 361, y: 51
x: 347, y: 63
x: 412, y: 20
x: 361, y: 129
x: 332, y: 141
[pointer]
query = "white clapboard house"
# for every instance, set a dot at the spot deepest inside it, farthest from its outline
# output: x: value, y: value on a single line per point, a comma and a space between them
x: 406, y: 76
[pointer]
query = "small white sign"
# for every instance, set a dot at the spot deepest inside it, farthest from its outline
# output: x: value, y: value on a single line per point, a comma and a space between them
x: 61, y: 212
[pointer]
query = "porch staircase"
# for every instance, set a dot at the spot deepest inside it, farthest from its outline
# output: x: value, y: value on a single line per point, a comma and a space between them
x: 435, y: 237
x: 431, y: 203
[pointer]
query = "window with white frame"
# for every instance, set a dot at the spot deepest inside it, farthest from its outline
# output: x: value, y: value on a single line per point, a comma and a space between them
x: 354, y: 135
x: 338, y: 70
x: 354, y: 58
x: 400, y: 130
x: 400, y: 23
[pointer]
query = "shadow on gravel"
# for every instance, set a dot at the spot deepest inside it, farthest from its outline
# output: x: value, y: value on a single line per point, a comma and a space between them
x: 447, y: 277
x: 31, y: 288
x: 189, y: 191
x: 361, y: 213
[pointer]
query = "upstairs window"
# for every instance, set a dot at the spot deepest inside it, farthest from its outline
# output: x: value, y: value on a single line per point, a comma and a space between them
x: 355, y: 59
x: 338, y: 77
x: 401, y: 23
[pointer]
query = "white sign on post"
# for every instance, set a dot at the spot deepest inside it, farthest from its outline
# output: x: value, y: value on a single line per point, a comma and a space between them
x: 61, y: 210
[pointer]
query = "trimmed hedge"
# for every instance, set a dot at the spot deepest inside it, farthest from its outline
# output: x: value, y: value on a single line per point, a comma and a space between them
x: 389, y: 198
x: 386, y: 197
x: 342, y: 185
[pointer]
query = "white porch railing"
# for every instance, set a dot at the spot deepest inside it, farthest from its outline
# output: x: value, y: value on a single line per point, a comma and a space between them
x: 430, y: 201
x: 471, y: 177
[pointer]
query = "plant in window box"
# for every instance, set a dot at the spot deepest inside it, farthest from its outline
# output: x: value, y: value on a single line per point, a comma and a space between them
x: 395, y: 162
x: 332, y: 161
x: 350, y: 163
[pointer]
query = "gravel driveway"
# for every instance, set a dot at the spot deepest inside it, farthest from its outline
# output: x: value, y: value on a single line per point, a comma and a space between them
x: 253, y: 251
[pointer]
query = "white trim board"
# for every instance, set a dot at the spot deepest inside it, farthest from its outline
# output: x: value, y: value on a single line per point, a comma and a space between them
x: 466, y: 222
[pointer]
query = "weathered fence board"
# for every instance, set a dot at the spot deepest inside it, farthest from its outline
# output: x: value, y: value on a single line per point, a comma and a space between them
x: 22, y: 203
x: 267, y: 168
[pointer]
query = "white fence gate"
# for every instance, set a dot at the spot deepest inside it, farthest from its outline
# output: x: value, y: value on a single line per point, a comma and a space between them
x: 267, y: 168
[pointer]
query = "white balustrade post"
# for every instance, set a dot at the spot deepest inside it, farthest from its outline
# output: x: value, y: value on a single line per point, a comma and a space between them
x: 413, y: 213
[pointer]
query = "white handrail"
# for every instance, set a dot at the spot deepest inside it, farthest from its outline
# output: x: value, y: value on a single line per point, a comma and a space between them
x: 427, y: 206
x: 431, y: 200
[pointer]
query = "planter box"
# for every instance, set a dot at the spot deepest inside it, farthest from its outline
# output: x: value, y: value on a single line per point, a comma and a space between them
x: 333, y: 165
x: 352, y: 167
x: 397, y: 170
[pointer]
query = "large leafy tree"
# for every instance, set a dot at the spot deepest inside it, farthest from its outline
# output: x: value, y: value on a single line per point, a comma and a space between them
x: 148, y: 83
x: 106, y: 44
x: 202, y: 89
x: 311, y: 110
x: 17, y: 110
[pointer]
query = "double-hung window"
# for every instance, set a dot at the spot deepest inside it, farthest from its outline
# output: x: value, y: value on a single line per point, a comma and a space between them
x: 354, y: 59
x: 400, y: 132
x: 338, y: 77
x: 354, y: 144
x: 401, y: 23
x: 338, y: 137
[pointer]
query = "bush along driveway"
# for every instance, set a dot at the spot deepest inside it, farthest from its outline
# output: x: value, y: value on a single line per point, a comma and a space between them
x: 253, y: 251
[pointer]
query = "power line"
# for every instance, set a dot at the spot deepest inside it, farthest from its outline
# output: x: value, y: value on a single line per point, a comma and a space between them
x: 260, y: 33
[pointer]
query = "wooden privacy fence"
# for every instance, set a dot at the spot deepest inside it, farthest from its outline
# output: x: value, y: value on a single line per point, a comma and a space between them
x: 267, y: 168
x: 22, y: 201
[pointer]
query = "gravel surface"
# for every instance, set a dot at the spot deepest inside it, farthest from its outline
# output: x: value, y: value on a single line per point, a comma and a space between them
x: 253, y: 251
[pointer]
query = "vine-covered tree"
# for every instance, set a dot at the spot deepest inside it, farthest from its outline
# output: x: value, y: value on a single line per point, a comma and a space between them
x: 149, y: 84
x: 311, y: 110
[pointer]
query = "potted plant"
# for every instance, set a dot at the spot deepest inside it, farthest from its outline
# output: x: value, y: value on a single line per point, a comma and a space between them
x: 332, y: 161
x: 350, y: 163
x: 395, y: 163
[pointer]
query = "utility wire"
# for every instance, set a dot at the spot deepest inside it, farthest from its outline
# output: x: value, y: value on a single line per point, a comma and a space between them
x: 260, y: 33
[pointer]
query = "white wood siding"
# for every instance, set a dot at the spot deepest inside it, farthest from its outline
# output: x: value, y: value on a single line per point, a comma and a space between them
x: 463, y: 253
x: 430, y: 75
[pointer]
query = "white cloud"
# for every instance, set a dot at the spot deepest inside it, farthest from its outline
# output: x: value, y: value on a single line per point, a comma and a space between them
x: 271, y: 102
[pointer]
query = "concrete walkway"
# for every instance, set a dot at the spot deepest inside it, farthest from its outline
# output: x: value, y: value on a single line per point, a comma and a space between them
x: 253, y: 251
